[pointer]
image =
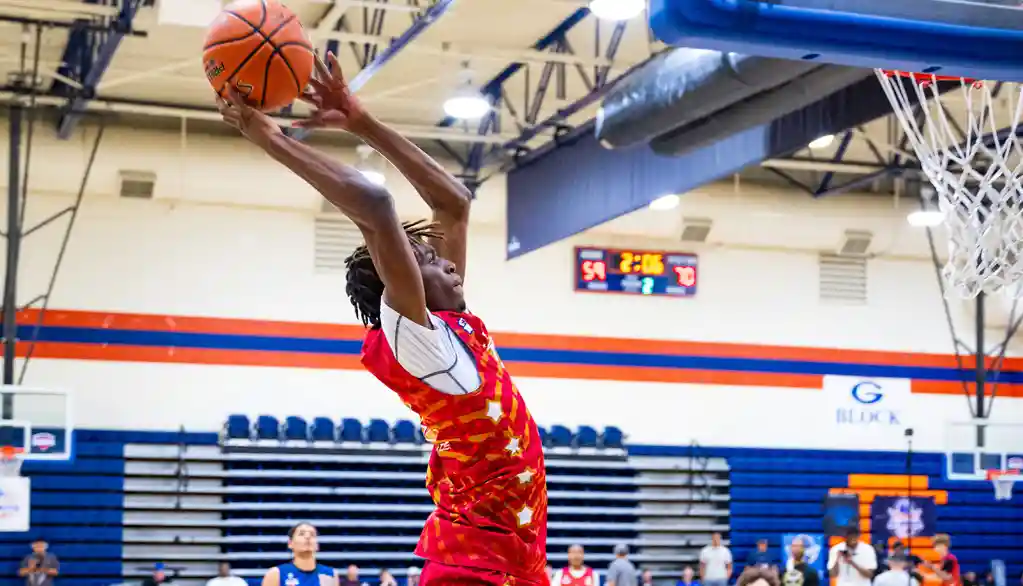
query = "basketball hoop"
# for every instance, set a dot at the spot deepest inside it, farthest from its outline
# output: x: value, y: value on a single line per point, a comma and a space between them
x: 974, y: 165
x: 10, y: 461
x: 1003, y: 481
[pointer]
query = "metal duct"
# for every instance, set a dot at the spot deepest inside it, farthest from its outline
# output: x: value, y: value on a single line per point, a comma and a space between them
x: 681, y: 86
x: 759, y: 109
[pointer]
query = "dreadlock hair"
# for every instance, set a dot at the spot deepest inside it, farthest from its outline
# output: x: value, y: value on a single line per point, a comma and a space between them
x: 363, y: 284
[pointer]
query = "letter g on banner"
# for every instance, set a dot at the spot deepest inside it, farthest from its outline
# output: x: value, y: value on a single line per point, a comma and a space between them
x: 867, y: 392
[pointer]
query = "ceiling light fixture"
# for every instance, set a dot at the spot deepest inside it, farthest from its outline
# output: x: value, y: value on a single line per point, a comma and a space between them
x: 925, y: 218
x: 467, y: 103
x: 617, y: 10
x: 822, y: 142
x: 665, y: 202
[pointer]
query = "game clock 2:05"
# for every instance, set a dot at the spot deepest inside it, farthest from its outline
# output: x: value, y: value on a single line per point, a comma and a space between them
x: 639, y: 272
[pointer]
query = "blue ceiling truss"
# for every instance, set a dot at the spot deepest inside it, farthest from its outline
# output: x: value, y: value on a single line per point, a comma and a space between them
x: 370, y: 60
x: 525, y: 114
x: 87, y: 55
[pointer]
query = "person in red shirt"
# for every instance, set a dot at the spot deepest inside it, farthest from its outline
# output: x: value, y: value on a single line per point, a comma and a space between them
x: 486, y: 473
x: 576, y: 573
x: 948, y: 569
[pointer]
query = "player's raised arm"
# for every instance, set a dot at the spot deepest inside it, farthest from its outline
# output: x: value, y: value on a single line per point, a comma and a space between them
x: 447, y: 196
x: 369, y: 206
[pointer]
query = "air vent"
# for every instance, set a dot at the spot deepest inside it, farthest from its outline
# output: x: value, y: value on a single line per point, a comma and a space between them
x: 696, y: 229
x: 855, y: 243
x: 138, y: 184
x: 842, y: 279
x: 335, y: 238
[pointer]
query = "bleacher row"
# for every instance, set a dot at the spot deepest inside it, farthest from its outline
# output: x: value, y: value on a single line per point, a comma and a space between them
x: 349, y: 430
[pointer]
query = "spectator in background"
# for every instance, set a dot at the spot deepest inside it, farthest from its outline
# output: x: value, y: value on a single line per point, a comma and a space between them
x: 413, y: 576
x: 351, y: 577
x: 386, y: 579
x: 715, y: 563
x: 912, y: 561
x: 40, y: 567
x: 225, y: 577
x: 897, y: 573
x: 576, y: 573
x: 798, y: 572
x: 948, y: 569
x: 687, y: 577
x: 970, y: 579
x: 760, y: 556
x: 755, y: 576
x: 158, y: 576
x: 646, y: 578
x: 621, y: 572
x: 852, y: 562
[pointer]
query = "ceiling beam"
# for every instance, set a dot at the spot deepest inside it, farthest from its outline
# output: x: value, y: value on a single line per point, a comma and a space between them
x: 470, y: 53
x: 93, y: 64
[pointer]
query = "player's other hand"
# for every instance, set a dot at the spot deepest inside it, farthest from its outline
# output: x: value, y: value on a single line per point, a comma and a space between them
x: 253, y: 124
x: 333, y: 104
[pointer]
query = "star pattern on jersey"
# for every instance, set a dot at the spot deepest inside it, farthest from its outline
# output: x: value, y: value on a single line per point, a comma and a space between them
x: 524, y: 517
x: 525, y: 477
x: 513, y: 446
x: 494, y: 411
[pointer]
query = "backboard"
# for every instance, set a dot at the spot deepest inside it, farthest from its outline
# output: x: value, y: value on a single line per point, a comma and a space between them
x: 38, y: 421
x: 944, y: 37
x: 965, y: 460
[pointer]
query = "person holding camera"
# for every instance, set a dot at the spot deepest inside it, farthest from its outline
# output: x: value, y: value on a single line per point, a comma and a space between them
x: 852, y: 562
x: 40, y: 567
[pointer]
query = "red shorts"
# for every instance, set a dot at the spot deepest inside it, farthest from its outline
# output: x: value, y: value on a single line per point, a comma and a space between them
x: 435, y: 574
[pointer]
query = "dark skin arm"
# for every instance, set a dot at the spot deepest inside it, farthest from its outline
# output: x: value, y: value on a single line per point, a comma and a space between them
x: 336, y: 107
x: 369, y: 206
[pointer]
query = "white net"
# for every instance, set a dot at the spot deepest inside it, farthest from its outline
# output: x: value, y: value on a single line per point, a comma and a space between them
x: 967, y: 144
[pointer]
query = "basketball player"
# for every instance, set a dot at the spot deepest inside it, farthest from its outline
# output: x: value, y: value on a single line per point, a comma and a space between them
x: 576, y: 573
x: 302, y: 570
x: 486, y: 474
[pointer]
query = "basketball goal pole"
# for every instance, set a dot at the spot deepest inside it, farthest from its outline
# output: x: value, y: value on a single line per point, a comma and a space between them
x: 10, y: 309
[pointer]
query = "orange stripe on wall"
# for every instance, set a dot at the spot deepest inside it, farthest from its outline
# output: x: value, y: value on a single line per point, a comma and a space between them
x: 191, y: 356
x: 666, y: 375
x: 930, y: 387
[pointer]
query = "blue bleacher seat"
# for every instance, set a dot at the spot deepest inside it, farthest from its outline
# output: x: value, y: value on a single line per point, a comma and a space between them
x: 586, y: 437
x: 378, y: 431
x: 612, y: 437
x: 545, y: 438
x: 323, y: 430
x: 561, y: 437
x: 268, y: 428
x: 295, y: 428
x: 351, y: 430
x: 405, y: 432
x: 238, y: 427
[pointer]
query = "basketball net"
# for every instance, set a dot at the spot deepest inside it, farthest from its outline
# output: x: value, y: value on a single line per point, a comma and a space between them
x: 974, y: 165
x: 10, y: 461
x: 1003, y: 481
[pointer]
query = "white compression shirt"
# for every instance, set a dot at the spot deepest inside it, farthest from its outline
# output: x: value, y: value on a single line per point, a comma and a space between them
x: 435, y: 356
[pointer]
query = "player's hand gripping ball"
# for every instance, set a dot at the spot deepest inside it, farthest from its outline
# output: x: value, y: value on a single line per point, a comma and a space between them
x: 260, y: 48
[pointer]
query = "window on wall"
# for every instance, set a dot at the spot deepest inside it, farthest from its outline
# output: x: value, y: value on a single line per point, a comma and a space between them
x: 842, y: 279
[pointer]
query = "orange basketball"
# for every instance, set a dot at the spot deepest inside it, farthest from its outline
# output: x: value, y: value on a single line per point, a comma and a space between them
x: 260, y: 48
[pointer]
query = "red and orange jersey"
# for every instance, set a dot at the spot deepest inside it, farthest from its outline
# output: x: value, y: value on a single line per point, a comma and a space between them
x: 486, y: 474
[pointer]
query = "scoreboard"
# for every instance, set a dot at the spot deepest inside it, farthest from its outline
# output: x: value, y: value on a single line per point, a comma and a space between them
x: 638, y: 272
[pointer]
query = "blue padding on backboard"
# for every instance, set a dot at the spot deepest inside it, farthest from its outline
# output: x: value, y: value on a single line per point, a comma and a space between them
x: 963, y: 463
x: 862, y: 40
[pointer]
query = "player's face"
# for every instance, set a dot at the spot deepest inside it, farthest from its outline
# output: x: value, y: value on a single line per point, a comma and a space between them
x: 941, y: 549
x: 442, y: 284
x: 304, y: 540
x: 575, y: 556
